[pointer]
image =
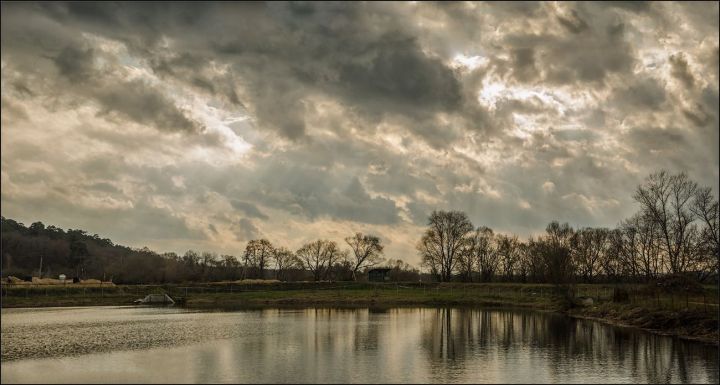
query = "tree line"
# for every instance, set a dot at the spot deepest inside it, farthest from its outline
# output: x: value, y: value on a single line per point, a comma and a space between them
x: 38, y: 250
x: 675, y: 231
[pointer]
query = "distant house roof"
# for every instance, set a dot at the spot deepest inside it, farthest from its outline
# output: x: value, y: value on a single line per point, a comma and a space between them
x: 380, y: 269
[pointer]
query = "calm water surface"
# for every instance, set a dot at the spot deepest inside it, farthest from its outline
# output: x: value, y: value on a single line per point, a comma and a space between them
x: 130, y: 344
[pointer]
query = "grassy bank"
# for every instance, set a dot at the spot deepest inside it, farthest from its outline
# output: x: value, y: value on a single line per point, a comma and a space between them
x: 363, y: 297
x: 326, y: 294
x: 694, y: 317
x: 691, y: 324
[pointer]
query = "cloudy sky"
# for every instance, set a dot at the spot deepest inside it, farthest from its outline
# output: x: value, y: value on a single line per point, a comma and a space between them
x: 201, y: 125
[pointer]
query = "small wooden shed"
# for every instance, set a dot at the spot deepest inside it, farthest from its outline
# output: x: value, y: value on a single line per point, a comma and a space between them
x: 379, y: 275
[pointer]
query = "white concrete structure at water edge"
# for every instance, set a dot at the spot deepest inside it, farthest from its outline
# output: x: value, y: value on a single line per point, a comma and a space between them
x: 155, y: 299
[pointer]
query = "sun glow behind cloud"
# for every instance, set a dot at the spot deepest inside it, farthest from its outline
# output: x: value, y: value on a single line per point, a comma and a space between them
x: 469, y: 62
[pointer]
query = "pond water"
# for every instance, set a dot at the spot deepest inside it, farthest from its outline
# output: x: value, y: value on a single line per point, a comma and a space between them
x: 406, y: 345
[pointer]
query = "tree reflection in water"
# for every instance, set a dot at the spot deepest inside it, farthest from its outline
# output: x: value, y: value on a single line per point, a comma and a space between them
x: 403, y: 345
x: 452, y: 335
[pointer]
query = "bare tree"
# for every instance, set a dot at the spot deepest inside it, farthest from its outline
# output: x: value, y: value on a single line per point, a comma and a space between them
x: 258, y: 253
x: 588, y: 249
x: 508, y: 250
x: 466, y: 259
x: 207, y: 262
x: 555, y: 250
x: 190, y: 261
x: 641, y: 251
x: 628, y: 255
x: 535, y: 259
x: 402, y: 271
x: 318, y: 256
x: 667, y: 199
x: 610, y: 260
x: 706, y: 208
x: 485, y: 252
x: 523, y: 261
x: 431, y: 255
x: 443, y: 241
x: 284, y: 261
x: 367, y: 251
x: 230, y: 266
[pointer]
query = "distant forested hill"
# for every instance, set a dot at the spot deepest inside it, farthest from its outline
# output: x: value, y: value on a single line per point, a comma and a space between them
x: 76, y: 253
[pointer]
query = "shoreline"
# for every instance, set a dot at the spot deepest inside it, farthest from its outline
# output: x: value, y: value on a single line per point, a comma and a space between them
x: 701, y: 339
x: 690, y: 325
x: 690, y: 332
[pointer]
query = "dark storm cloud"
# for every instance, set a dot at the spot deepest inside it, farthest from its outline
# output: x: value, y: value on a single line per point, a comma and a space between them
x: 64, y: 210
x: 134, y: 100
x: 245, y: 230
x: 576, y: 135
x: 41, y: 42
x: 157, y: 224
x: 633, y: 6
x: 703, y: 112
x: 248, y: 209
x: 13, y: 111
x: 529, y: 106
x: 359, y: 56
x: 641, y: 94
x: 401, y: 178
x: 656, y: 139
x: 75, y: 63
x: 592, y: 46
x: 104, y: 187
x: 379, y: 73
x: 512, y: 8
x: 568, y: 60
x: 681, y: 71
x: 401, y: 73
x: 188, y: 68
x: 524, y: 68
x: 573, y: 22
x: 313, y: 193
x: 143, y: 104
x: 697, y: 115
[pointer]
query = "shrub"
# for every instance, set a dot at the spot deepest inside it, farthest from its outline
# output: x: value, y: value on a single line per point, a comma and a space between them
x: 620, y: 295
x: 678, y: 283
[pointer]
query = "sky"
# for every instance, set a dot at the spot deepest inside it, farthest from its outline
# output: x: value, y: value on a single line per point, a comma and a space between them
x: 202, y: 126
